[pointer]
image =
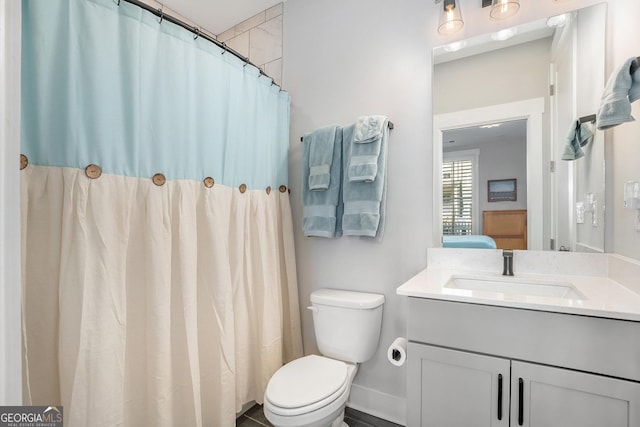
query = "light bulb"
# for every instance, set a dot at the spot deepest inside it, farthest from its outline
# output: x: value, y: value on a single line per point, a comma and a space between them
x: 503, y: 9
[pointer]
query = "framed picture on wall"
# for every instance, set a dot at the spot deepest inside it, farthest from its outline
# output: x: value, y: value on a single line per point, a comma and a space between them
x: 502, y: 190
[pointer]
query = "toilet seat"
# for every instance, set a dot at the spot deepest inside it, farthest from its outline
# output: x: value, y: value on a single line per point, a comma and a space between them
x: 307, y: 384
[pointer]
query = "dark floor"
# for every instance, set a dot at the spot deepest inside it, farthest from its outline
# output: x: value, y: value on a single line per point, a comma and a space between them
x: 254, y: 417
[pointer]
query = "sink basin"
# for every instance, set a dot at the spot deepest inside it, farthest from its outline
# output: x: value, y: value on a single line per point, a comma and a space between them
x: 513, y: 286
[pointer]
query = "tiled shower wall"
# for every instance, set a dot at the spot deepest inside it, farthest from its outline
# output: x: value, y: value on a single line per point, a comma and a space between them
x: 260, y: 39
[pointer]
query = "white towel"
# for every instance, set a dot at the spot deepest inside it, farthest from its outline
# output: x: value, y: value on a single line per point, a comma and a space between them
x: 368, y: 128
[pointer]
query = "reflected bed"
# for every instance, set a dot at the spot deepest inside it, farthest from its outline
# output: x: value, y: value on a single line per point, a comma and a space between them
x: 470, y: 241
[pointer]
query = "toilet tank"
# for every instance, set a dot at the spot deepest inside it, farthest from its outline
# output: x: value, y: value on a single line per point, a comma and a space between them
x: 347, y: 323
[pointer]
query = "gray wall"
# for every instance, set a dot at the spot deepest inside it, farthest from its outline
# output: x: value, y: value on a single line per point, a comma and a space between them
x: 345, y: 58
x: 505, y: 75
x: 500, y: 160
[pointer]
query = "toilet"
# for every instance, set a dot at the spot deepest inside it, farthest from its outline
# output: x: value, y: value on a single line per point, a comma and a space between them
x: 312, y: 391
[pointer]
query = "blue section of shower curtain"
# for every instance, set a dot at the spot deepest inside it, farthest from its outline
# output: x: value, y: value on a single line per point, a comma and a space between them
x: 110, y: 85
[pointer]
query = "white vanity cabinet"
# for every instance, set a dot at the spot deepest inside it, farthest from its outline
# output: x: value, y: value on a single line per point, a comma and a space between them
x: 479, y: 365
x: 456, y: 389
x: 459, y: 389
x: 561, y: 397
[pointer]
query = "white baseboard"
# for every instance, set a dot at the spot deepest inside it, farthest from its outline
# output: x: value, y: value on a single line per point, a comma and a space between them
x: 379, y: 404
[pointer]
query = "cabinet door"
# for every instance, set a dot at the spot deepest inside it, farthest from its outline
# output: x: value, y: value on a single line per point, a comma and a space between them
x: 456, y: 389
x: 542, y: 396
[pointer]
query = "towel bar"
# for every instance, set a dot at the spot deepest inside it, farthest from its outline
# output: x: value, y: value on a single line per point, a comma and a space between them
x: 590, y: 118
x: 390, y: 125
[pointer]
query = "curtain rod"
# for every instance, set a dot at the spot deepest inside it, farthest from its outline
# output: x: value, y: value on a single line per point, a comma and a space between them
x: 389, y: 124
x: 160, y: 13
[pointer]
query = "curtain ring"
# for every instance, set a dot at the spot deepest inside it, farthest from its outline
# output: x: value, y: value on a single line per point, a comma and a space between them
x: 197, y: 33
x: 224, y: 48
x: 161, y: 10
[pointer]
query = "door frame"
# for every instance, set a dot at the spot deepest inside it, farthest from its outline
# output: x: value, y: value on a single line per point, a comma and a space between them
x: 531, y: 110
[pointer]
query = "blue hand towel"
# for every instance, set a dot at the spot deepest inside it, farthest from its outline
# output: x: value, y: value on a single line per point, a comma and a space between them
x: 615, y: 107
x: 364, y: 202
x: 579, y: 135
x: 368, y: 133
x: 321, y: 144
x: 322, y: 210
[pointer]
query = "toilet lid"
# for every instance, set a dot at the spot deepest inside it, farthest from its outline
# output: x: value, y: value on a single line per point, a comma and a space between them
x: 306, y: 381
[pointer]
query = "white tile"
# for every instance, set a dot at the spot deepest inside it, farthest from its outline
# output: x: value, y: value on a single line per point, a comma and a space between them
x: 274, y: 70
x: 230, y: 33
x: 274, y: 11
x: 266, y: 41
x: 250, y: 23
x: 240, y: 44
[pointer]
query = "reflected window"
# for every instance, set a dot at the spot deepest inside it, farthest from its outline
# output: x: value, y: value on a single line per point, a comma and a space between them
x: 457, y: 197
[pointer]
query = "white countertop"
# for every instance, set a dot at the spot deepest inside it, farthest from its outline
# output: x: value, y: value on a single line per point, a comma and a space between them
x: 603, y: 297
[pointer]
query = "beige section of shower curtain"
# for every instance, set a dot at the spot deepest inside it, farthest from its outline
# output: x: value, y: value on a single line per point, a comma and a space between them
x: 153, y: 306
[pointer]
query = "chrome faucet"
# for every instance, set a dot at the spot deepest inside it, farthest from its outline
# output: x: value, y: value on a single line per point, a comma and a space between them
x: 507, y: 258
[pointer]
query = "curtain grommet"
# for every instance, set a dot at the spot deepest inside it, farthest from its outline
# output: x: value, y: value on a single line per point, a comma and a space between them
x: 208, y: 182
x: 243, y: 188
x: 24, y: 161
x: 159, y: 179
x: 268, y: 190
x: 93, y: 171
x: 283, y: 188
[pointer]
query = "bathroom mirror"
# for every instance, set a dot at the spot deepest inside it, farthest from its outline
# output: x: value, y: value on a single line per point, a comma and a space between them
x: 506, y: 101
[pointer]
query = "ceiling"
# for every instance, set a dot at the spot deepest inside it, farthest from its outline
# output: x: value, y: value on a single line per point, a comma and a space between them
x: 515, y: 131
x: 217, y: 16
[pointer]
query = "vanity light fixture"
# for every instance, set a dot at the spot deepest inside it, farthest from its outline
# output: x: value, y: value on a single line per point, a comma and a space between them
x: 450, y: 17
x: 503, y: 9
x: 505, y: 34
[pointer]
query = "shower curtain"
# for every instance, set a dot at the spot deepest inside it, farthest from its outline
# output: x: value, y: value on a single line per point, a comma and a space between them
x: 148, y: 302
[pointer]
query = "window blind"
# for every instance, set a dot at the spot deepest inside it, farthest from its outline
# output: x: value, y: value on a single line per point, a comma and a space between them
x: 457, y: 197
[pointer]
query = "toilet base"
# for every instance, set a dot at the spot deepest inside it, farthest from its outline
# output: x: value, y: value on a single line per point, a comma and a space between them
x: 336, y: 419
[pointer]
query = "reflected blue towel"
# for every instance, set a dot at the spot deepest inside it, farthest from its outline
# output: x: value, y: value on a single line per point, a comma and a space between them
x: 322, y: 209
x: 579, y: 135
x: 365, y: 150
x: 620, y: 91
x: 321, y: 144
x: 364, y: 202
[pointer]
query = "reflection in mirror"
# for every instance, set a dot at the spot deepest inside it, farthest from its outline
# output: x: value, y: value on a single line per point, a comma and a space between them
x: 556, y: 64
x: 477, y: 161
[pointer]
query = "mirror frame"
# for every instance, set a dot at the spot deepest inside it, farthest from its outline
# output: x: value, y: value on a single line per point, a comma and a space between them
x: 531, y: 110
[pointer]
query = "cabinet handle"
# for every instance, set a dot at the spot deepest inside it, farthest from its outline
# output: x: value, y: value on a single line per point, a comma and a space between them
x: 499, y: 397
x: 520, y: 402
